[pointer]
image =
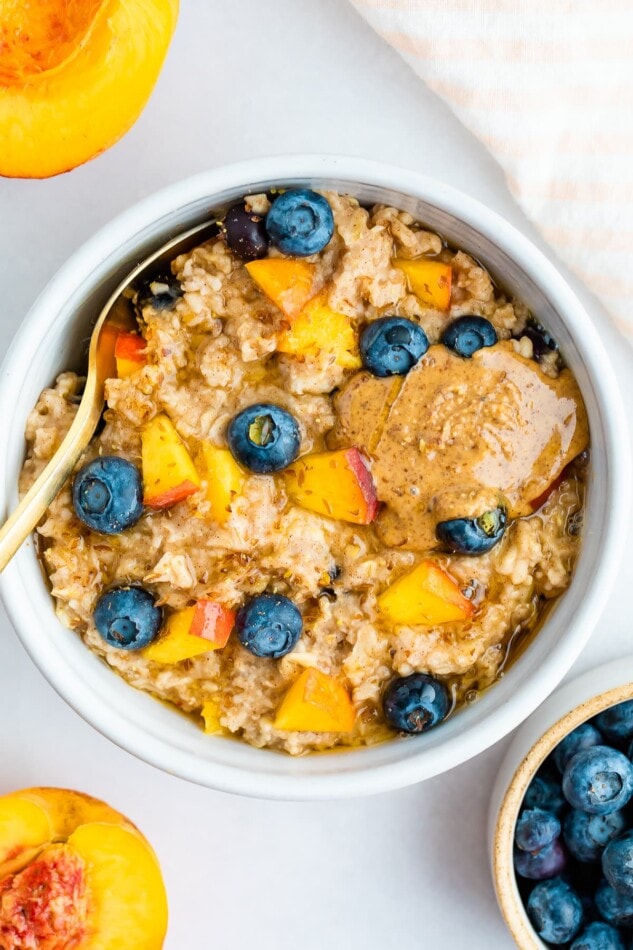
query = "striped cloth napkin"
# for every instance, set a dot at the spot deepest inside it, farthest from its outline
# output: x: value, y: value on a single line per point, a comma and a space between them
x: 547, y: 86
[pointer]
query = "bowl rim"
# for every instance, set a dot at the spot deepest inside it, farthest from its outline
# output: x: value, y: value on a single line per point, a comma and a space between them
x: 409, y: 768
x: 504, y: 877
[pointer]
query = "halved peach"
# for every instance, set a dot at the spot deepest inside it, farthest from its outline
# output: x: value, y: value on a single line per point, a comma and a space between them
x: 426, y: 595
x: 169, y: 475
x: 74, y: 77
x: 430, y: 281
x: 191, y: 632
x: 337, y: 484
x: 319, y: 329
x: 85, y: 876
x: 287, y: 282
x: 316, y: 702
x: 129, y: 353
x: 224, y: 477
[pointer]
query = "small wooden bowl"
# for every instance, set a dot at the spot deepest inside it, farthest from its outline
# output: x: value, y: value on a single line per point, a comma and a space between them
x: 565, y: 709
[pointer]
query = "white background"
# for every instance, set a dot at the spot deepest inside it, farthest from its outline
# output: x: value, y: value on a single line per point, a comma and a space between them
x: 246, y: 78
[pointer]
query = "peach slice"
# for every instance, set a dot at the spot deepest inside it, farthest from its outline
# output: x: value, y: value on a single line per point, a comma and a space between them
x: 319, y: 329
x: 86, y: 878
x: 74, y: 77
x: 337, y: 484
x: 430, y: 281
x: 224, y: 477
x: 169, y: 474
x: 426, y: 595
x: 287, y: 282
x: 191, y: 632
x: 316, y: 702
x: 129, y: 353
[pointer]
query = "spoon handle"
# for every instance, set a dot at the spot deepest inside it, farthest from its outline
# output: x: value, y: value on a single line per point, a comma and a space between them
x: 47, y: 485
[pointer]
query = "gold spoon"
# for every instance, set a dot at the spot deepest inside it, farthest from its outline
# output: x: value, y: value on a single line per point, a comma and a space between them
x: 117, y: 314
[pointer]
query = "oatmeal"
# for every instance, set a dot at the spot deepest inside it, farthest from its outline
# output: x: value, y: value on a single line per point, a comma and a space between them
x: 339, y: 479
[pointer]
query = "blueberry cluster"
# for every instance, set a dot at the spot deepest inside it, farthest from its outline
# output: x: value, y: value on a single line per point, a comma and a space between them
x: 299, y: 222
x: 574, y: 838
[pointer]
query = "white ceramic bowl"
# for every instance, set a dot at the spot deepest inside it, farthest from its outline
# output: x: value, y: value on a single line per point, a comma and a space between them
x: 565, y: 709
x: 51, y: 339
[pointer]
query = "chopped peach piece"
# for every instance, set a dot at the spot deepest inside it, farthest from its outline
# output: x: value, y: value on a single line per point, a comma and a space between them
x: 319, y: 329
x: 287, y: 282
x: 169, y: 474
x: 337, y: 484
x: 129, y: 352
x: 224, y: 477
x: 426, y: 595
x: 430, y: 281
x: 213, y: 623
x: 190, y: 632
x: 211, y: 718
x: 316, y: 702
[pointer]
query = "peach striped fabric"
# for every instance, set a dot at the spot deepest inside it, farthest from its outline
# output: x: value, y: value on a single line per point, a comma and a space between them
x: 547, y: 86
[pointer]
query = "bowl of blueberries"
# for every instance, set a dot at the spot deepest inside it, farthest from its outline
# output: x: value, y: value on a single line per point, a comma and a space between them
x: 562, y: 818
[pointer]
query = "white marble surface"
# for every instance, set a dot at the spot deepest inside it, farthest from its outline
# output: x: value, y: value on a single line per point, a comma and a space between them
x: 410, y: 868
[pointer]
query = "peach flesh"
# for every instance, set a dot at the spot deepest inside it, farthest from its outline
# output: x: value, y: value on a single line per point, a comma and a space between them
x: 37, y: 36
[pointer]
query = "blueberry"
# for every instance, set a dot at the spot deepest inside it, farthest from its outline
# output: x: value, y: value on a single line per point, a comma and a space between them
x: 391, y: 346
x: 472, y: 535
x: 540, y: 865
x: 585, y: 736
x: 269, y: 625
x: 246, y: 233
x: 264, y: 438
x: 466, y: 335
x: 616, y: 723
x: 587, y: 835
x: 544, y: 793
x: 300, y: 222
x: 615, y: 908
x: 108, y: 494
x: 542, y: 341
x: 598, y: 780
x: 415, y: 703
x: 128, y: 618
x: 535, y: 829
x: 555, y: 911
x: 162, y: 292
x: 598, y: 936
x: 617, y: 863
